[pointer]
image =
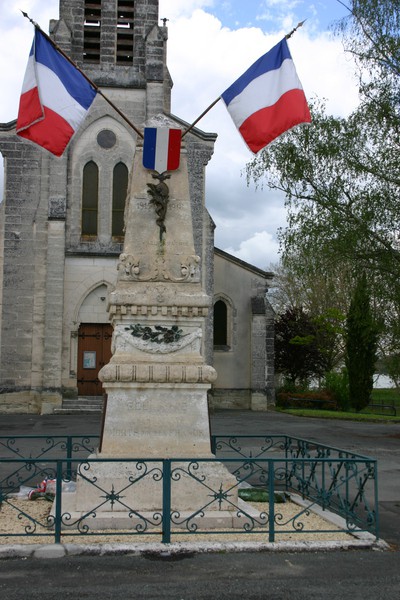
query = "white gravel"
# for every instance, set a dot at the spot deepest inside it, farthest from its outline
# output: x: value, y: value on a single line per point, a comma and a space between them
x: 14, y: 520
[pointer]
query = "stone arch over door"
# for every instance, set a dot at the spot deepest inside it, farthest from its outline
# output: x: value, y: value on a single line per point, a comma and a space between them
x: 93, y: 341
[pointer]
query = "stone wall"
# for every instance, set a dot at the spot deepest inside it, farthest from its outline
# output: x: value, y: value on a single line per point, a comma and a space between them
x: 245, y: 366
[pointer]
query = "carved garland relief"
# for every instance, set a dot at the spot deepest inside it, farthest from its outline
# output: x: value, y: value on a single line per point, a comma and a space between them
x: 154, y: 340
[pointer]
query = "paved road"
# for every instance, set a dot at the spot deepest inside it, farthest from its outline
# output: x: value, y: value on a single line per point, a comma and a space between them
x: 271, y: 576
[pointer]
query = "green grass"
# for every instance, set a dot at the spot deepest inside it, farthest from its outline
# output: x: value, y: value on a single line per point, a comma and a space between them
x: 390, y: 396
x: 383, y: 396
x: 335, y: 414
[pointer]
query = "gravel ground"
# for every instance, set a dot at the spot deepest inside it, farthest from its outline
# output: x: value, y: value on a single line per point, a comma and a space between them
x: 14, y: 520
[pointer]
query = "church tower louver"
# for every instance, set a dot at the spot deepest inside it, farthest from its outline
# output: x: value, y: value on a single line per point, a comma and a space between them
x: 119, y: 45
x: 62, y: 230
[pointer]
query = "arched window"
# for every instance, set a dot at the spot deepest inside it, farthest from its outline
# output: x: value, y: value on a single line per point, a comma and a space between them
x: 120, y: 186
x: 220, y: 323
x: 90, y: 198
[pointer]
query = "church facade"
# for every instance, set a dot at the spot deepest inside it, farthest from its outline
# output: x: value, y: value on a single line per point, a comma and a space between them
x: 62, y: 229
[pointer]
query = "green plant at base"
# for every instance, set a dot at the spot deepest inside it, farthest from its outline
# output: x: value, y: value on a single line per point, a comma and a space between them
x: 258, y: 495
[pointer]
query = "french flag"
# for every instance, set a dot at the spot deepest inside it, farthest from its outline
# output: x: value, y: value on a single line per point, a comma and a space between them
x: 55, y: 98
x: 161, y: 149
x: 267, y: 99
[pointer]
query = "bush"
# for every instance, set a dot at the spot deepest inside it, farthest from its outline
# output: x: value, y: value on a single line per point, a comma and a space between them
x: 337, y: 384
x: 323, y: 400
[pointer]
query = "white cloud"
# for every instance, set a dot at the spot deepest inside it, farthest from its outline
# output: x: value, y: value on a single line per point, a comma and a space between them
x: 259, y: 250
x: 173, y: 9
x: 16, y: 35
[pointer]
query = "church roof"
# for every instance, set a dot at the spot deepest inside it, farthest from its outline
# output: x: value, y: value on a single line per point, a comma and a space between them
x: 243, y: 264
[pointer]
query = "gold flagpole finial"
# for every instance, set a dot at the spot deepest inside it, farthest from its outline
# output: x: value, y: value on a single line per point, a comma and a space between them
x: 25, y: 14
x: 300, y: 24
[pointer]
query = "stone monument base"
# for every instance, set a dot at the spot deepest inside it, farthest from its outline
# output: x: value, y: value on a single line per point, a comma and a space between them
x: 156, y: 420
x: 146, y: 522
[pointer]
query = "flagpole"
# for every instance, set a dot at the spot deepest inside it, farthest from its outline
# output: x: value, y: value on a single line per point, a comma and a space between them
x: 98, y: 90
x: 300, y: 24
x: 287, y: 36
x: 201, y: 116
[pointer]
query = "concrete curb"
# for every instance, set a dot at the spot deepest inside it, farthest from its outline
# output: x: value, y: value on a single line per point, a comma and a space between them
x: 51, y: 551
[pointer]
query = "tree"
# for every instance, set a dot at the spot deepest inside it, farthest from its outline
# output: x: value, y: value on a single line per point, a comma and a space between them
x: 361, y: 346
x: 371, y: 34
x: 341, y: 176
x: 341, y: 192
x: 323, y: 296
x: 298, y: 355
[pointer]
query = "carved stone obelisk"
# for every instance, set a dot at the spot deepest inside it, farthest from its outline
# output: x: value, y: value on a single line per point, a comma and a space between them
x: 157, y: 380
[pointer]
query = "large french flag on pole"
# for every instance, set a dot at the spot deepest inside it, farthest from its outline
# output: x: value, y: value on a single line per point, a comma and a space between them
x: 161, y: 148
x: 267, y: 99
x: 54, y: 100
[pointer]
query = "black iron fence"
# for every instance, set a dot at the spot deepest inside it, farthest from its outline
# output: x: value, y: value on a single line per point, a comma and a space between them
x: 247, y: 489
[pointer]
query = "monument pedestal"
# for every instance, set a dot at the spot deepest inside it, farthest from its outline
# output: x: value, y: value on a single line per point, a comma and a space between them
x: 157, y: 420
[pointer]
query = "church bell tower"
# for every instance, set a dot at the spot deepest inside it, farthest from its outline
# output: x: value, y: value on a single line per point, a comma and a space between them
x: 120, y: 45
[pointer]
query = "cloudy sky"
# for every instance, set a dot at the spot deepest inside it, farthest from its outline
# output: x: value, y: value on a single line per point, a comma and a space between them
x: 211, y: 43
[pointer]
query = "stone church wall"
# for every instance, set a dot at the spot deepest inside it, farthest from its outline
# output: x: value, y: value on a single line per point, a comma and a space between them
x: 53, y: 278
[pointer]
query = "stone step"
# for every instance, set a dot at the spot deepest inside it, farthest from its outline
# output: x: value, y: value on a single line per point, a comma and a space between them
x: 76, y: 411
x: 81, y: 405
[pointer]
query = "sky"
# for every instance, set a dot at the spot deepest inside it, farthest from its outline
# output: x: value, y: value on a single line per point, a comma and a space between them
x: 210, y: 44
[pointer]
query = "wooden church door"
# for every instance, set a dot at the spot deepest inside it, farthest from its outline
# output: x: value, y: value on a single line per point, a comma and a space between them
x: 94, y: 351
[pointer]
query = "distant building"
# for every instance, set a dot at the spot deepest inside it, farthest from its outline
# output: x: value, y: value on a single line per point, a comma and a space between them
x: 61, y: 230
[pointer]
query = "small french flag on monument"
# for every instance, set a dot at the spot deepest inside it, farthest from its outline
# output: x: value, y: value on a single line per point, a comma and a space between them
x: 161, y: 149
x: 267, y: 99
x: 55, y: 98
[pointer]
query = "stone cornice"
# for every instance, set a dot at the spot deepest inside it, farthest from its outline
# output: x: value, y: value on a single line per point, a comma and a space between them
x: 120, y: 310
x: 157, y: 373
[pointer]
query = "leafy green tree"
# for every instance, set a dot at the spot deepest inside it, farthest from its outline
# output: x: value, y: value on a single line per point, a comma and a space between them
x: 323, y: 295
x: 341, y: 176
x: 341, y: 193
x: 297, y: 353
x: 371, y: 34
x: 361, y: 346
x: 337, y: 384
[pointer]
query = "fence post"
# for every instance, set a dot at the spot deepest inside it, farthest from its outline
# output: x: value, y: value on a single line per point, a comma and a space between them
x: 166, y: 508
x: 376, y: 509
x: 69, y: 456
x: 323, y: 485
x: 213, y: 442
x: 271, y: 499
x: 286, y: 463
x: 57, y: 515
